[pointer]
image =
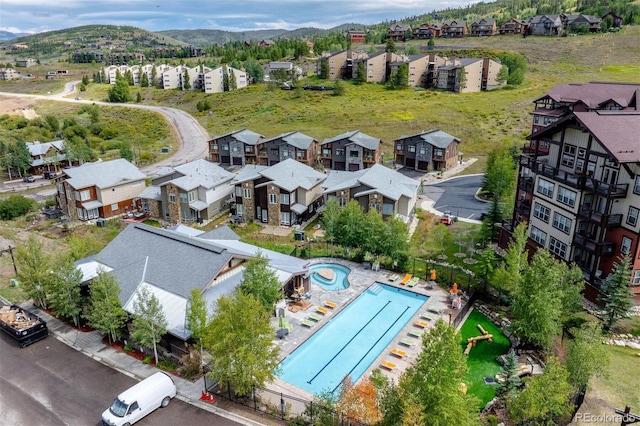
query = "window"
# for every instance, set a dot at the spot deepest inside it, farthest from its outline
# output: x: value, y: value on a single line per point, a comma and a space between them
x: 387, y: 209
x: 399, y: 147
x: 340, y: 152
x: 438, y: 152
x: 293, y: 198
x: 566, y: 196
x: 273, y: 198
x: 541, y: 212
x: 286, y: 153
x: 538, y: 236
x: 568, y: 156
x: 422, y: 150
x: 239, y: 209
x: 69, y: 194
x: 172, y: 197
x: 236, y: 149
x: 636, y: 277
x: 375, y: 207
x: 285, y: 218
x: 625, y: 245
x: 114, y: 206
x: 83, y: 195
x: 301, y: 153
x: 632, y: 217
x: 411, y: 148
x: 636, y: 187
x: 247, y: 193
x: 183, y: 197
x: 284, y: 199
x: 354, y: 154
x: 561, y: 222
x: 343, y: 202
x: 214, y: 146
x: 248, y: 149
x: 225, y: 147
x: 238, y: 191
x: 326, y: 151
x: 557, y: 247
x: 274, y: 151
x: 192, y: 196
x: 545, y: 187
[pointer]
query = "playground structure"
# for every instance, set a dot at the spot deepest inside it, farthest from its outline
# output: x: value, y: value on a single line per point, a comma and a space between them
x: 471, y: 341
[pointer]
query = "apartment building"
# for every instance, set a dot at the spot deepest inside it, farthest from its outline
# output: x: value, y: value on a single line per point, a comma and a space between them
x: 399, y: 32
x: 286, y: 193
x: 579, y: 180
x: 480, y: 74
x: 350, y: 151
x: 214, y: 79
x: 356, y: 36
x: 427, y: 31
x: 422, y: 69
x: 340, y: 64
x: 454, y: 29
x: 512, y: 26
x: 483, y: 27
x: 8, y: 74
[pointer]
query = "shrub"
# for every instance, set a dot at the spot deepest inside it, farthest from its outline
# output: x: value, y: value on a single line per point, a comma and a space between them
x: 147, y: 359
x: 167, y: 365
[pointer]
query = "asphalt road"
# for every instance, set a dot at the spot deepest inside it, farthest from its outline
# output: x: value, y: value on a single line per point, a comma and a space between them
x: 192, y: 137
x: 49, y: 383
x: 458, y: 196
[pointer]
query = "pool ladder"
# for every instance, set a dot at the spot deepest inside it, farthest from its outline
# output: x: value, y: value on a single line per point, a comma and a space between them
x: 375, y: 288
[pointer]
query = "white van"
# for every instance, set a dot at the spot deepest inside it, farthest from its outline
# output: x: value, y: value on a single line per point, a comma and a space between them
x: 139, y: 400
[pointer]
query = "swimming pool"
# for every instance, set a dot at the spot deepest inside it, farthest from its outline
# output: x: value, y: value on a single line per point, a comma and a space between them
x: 339, y: 279
x: 351, y: 341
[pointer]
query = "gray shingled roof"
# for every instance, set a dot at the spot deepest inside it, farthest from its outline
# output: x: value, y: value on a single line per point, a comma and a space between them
x: 378, y: 178
x: 291, y: 174
x: 220, y: 233
x: 151, y: 192
x: 296, y: 139
x: 40, y: 148
x: 249, y: 172
x: 103, y: 174
x: 243, y: 135
x: 358, y: 138
x: 175, y: 262
x: 200, y: 173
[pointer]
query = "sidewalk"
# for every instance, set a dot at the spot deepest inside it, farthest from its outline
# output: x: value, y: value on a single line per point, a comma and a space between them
x: 90, y: 343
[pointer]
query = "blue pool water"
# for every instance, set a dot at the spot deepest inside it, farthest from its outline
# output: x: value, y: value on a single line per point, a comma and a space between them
x: 339, y: 281
x: 349, y: 342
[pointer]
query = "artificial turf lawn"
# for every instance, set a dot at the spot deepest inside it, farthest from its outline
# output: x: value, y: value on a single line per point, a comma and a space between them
x: 482, y: 358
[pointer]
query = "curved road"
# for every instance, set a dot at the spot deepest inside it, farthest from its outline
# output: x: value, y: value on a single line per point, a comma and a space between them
x: 457, y: 195
x: 192, y: 137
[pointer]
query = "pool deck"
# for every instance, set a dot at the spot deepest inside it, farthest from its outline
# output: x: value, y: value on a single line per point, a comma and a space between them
x: 360, y: 279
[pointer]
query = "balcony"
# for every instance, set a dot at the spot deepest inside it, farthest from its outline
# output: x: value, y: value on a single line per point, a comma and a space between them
x: 581, y: 182
x: 523, y: 207
x: 608, y: 220
x: 526, y: 184
x: 603, y: 248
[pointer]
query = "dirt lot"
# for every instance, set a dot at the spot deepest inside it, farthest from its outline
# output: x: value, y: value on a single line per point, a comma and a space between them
x: 18, y: 106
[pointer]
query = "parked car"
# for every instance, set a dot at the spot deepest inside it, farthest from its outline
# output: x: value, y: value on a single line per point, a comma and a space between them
x: 49, y: 175
x: 29, y: 179
x: 52, y: 213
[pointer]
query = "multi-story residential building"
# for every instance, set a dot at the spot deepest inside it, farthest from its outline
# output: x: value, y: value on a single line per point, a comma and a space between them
x: 350, y: 151
x: 427, y: 151
x: 341, y: 64
x: 85, y: 57
x: 399, y: 32
x: 47, y: 156
x: 545, y: 25
x: 173, y: 77
x: 483, y: 27
x: 480, y: 74
x: 577, y: 22
x: 579, y: 180
x: 236, y: 148
x: 454, y: 29
x: 26, y: 62
x: 378, y: 187
x: 8, y: 74
x: 214, y: 79
x: 286, y: 193
x: 197, y: 191
x: 427, y: 31
x: 356, y: 36
x: 294, y: 145
x: 616, y: 20
x: 422, y: 69
x: 377, y: 66
x: 99, y: 190
x: 512, y: 26
x: 124, y: 58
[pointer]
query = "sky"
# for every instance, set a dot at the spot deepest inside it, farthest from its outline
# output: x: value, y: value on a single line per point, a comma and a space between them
x: 33, y: 16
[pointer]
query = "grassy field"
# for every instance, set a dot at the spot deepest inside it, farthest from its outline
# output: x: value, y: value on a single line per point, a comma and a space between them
x: 482, y: 358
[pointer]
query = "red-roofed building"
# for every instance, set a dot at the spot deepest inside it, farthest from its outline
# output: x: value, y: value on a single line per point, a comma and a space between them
x: 579, y: 180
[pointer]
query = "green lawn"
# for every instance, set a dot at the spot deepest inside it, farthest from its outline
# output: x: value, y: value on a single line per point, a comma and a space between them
x: 482, y: 358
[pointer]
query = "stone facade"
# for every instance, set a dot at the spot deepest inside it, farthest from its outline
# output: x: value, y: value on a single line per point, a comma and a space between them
x: 248, y: 204
x: 273, y: 209
x: 173, y: 195
x: 375, y: 199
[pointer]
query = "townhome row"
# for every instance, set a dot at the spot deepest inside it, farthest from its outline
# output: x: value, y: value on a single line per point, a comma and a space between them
x: 482, y: 27
x: 208, y: 80
x: 429, y: 70
x: 579, y: 179
x: 351, y: 151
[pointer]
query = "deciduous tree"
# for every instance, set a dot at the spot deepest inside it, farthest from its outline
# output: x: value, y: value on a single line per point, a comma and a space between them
x: 64, y: 291
x: 240, y: 339
x: 359, y: 402
x: 104, y: 311
x: 261, y: 281
x: 149, y: 322
x: 586, y: 356
x: 197, y: 316
x: 34, y: 270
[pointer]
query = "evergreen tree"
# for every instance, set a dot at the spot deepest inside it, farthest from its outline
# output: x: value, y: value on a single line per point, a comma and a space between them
x: 186, y: 79
x: 154, y: 77
x: 510, y: 382
x: 494, y: 215
x: 119, y: 92
x: 361, y: 73
x: 462, y: 79
x: 391, y: 46
x: 233, y: 84
x: 103, y: 76
x: 338, y: 88
x: 324, y: 68
x: 144, y: 80
x: 149, y: 323
x: 615, y: 293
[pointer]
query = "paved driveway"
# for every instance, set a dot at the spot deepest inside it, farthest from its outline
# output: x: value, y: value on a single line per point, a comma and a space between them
x: 458, y: 196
